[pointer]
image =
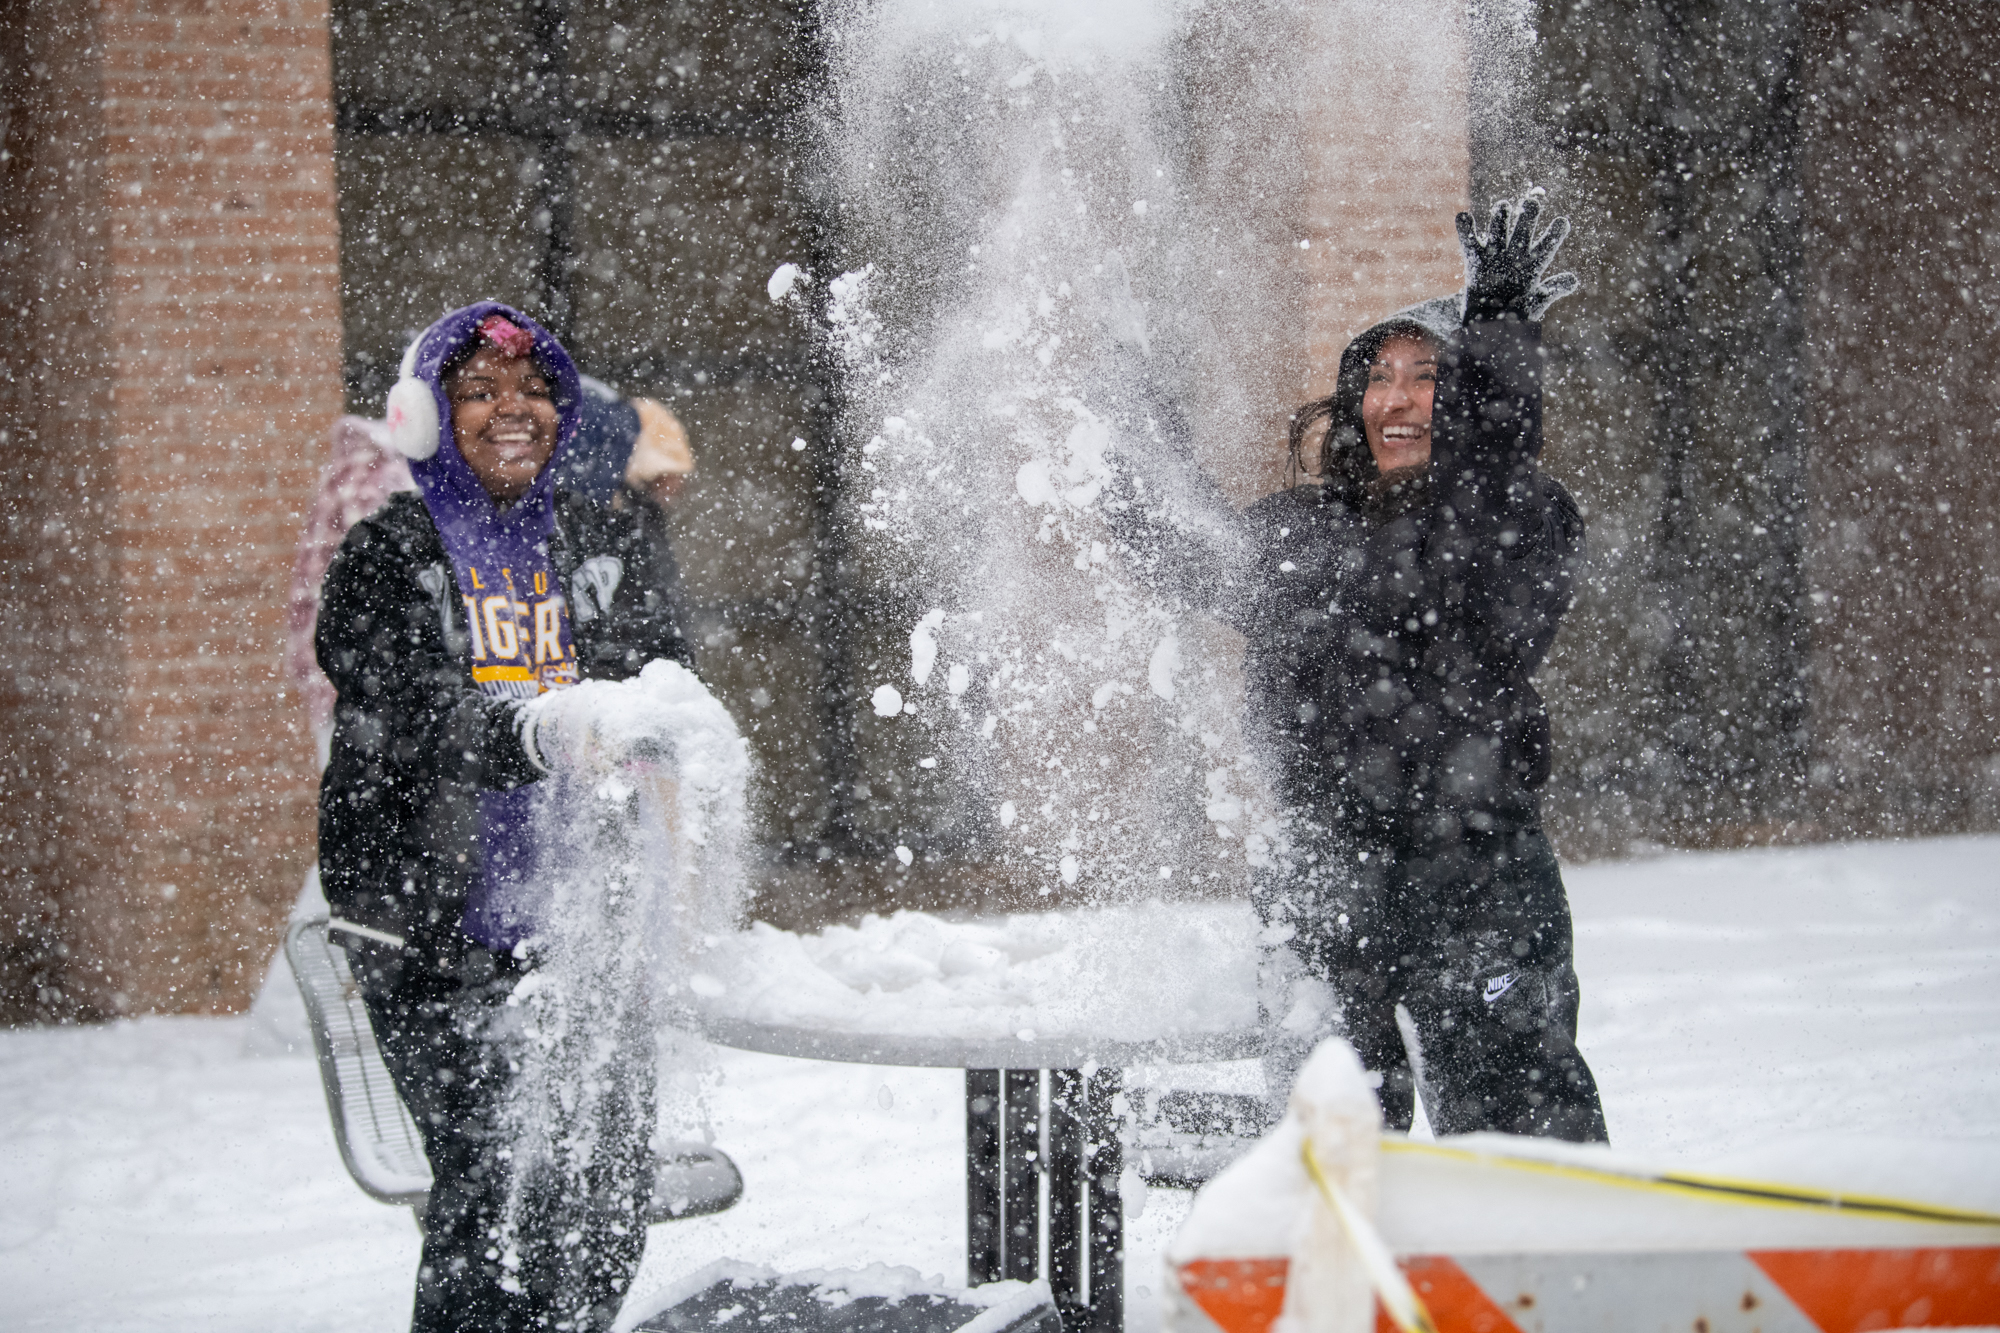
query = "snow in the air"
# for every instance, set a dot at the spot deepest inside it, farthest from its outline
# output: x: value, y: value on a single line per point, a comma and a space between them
x: 1805, y: 1006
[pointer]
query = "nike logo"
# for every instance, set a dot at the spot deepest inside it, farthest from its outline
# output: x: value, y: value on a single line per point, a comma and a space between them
x: 1498, y: 986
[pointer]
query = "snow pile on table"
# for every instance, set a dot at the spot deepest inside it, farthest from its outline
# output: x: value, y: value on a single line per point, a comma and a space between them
x: 1128, y: 973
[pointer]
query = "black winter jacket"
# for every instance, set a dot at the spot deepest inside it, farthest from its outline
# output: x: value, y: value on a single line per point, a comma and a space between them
x: 1391, y: 641
x: 414, y: 740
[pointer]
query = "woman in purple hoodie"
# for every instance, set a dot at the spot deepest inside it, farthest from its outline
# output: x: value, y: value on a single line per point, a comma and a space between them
x: 450, y: 622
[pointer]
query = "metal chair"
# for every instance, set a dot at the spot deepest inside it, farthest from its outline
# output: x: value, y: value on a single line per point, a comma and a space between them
x: 379, y: 1142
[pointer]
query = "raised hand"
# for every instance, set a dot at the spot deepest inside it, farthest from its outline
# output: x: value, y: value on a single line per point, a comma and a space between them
x: 1504, y: 271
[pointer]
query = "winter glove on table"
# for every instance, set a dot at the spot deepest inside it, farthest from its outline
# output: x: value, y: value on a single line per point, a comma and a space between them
x: 1504, y: 272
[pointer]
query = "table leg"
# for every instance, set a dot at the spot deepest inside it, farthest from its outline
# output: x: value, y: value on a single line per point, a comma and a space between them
x: 1021, y: 1174
x: 1086, y: 1215
x: 1086, y: 1219
x: 1069, y: 1250
x: 982, y: 1177
x: 1103, y: 1164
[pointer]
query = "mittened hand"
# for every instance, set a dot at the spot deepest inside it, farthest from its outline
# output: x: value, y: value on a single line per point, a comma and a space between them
x: 586, y: 729
x: 1504, y: 271
x: 557, y: 733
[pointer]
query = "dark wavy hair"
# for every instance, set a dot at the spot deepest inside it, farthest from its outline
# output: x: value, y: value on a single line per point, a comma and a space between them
x: 1345, y: 466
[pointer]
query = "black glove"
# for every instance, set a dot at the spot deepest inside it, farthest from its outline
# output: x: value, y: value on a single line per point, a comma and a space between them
x: 1503, y: 273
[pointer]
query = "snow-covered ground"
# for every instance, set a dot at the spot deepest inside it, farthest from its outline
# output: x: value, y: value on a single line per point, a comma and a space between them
x: 176, y: 1174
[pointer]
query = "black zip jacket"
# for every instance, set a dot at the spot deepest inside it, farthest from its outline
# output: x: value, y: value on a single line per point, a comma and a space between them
x: 414, y: 740
x: 1392, y: 635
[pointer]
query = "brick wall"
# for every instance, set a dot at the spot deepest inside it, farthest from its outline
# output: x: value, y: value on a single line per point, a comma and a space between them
x: 217, y: 303
x: 1902, y: 182
x: 1341, y: 127
x: 1389, y: 175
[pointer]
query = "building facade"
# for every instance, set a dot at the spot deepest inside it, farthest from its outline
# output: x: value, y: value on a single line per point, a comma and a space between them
x: 220, y: 220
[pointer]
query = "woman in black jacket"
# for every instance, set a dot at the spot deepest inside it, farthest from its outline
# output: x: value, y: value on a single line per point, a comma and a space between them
x: 1395, y: 613
x: 450, y: 625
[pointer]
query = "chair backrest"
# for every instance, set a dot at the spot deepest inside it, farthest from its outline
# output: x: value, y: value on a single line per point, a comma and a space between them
x: 378, y: 1141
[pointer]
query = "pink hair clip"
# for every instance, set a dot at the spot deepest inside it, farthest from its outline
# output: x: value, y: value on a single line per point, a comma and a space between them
x: 506, y: 335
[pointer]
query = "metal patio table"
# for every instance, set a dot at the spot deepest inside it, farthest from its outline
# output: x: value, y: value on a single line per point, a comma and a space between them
x: 1010, y: 1083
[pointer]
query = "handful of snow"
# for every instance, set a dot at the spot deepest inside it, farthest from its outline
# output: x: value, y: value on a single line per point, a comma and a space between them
x: 666, y: 713
x: 642, y: 821
x: 1130, y: 973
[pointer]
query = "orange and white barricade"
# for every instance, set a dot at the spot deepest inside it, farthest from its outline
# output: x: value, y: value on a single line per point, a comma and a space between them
x: 1318, y: 1229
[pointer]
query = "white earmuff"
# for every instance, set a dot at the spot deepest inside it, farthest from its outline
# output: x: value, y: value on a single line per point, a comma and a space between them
x: 413, y: 420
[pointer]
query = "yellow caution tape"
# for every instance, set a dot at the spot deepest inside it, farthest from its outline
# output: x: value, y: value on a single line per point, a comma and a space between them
x: 1759, y: 1193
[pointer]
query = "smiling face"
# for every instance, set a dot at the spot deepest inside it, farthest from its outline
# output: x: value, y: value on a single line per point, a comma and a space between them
x: 1396, y: 408
x: 503, y: 416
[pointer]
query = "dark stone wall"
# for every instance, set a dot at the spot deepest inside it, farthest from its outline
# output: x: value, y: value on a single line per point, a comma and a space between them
x: 1901, y: 174
x: 1783, y: 225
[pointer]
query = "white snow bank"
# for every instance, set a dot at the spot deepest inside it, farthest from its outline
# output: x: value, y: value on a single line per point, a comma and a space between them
x: 1849, y: 988
x: 1127, y: 973
x: 1835, y: 1002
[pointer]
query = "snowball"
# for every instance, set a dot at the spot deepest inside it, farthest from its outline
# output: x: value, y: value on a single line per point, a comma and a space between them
x: 1160, y: 669
x: 1032, y: 483
x: 923, y: 646
x: 1132, y: 1190
x: 1070, y: 868
x: 783, y: 279
x: 887, y: 700
x: 904, y: 854
x: 1086, y: 469
x: 798, y: 445
x: 958, y: 678
x: 1007, y: 813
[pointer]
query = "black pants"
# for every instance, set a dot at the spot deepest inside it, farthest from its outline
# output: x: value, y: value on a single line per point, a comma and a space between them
x: 1472, y: 937
x: 576, y: 1242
